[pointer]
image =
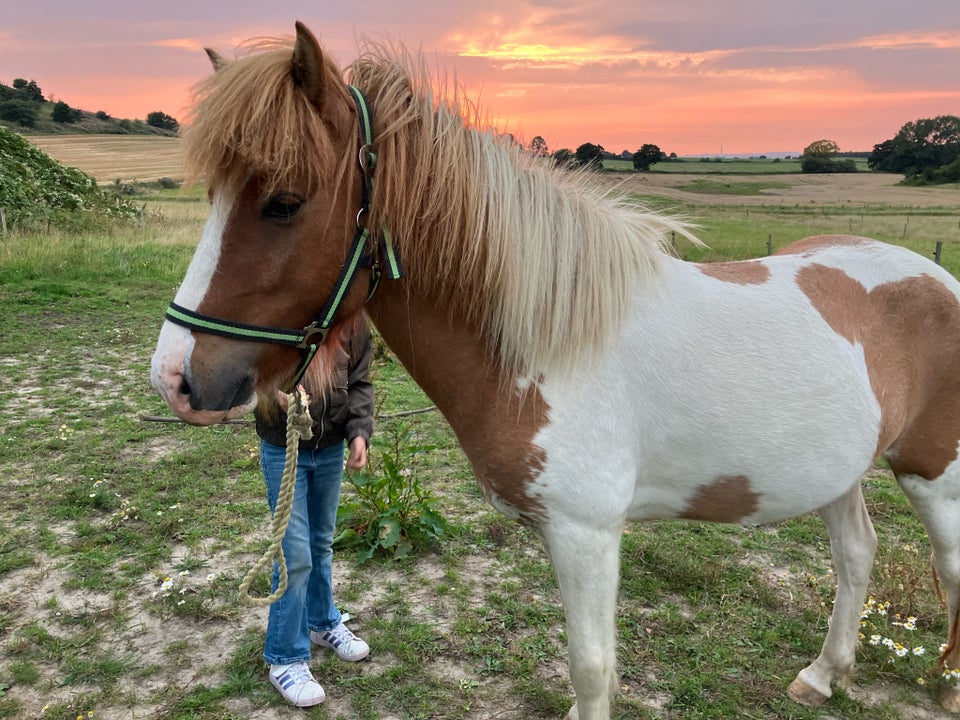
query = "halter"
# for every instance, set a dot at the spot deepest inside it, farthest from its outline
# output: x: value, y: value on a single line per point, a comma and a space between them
x: 380, y: 257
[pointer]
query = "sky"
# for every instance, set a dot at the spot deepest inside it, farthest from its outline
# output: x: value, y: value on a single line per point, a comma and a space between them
x: 690, y: 76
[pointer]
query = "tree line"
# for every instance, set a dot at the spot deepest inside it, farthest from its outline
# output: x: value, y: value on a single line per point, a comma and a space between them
x: 21, y: 102
x: 924, y: 151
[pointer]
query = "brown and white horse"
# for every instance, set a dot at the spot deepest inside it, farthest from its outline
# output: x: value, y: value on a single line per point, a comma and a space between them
x: 591, y: 377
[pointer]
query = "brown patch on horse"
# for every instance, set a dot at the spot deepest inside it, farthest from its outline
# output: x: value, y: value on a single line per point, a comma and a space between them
x: 495, y: 422
x: 748, y: 272
x: 909, y: 330
x: 728, y: 499
x: 810, y: 245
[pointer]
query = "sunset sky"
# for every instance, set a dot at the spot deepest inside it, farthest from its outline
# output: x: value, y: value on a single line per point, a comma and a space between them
x: 691, y: 76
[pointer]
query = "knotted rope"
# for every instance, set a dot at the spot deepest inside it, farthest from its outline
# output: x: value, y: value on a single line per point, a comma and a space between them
x: 299, y: 425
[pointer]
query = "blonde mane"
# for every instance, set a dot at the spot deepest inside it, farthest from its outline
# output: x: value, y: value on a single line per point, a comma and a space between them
x: 536, y: 258
x: 541, y: 259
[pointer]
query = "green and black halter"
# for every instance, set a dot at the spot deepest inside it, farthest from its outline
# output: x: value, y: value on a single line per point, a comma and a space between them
x: 380, y: 256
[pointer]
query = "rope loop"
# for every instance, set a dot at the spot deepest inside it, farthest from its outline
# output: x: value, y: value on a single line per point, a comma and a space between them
x: 299, y: 425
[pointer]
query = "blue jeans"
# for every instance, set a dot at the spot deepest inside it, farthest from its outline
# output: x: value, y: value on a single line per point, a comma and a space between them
x: 308, y: 602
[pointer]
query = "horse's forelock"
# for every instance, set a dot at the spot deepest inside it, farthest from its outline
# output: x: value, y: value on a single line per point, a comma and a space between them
x: 250, y: 118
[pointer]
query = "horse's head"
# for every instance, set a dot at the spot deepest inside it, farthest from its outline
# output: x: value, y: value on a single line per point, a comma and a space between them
x: 275, y: 135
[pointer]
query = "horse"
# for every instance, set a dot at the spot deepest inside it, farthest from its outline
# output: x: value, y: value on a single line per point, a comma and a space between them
x: 591, y: 376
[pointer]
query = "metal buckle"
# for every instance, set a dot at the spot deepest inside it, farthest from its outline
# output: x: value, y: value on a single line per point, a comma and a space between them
x: 309, y: 332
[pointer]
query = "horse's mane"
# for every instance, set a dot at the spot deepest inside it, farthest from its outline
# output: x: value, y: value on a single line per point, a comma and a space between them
x: 537, y: 258
x: 541, y: 258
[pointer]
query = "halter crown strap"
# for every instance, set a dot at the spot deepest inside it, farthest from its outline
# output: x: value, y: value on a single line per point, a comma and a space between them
x: 383, y: 259
x: 368, y: 163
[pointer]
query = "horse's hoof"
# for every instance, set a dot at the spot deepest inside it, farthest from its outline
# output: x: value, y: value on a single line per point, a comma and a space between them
x: 950, y: 699
x: 802, y: 693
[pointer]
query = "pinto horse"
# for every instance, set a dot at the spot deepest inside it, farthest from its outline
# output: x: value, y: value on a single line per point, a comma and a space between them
x: 590, y: 376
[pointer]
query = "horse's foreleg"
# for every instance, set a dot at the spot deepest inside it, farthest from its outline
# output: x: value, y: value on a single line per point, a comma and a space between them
x: 852, y: 545
x: 937, y: 503
x: 587, y: 563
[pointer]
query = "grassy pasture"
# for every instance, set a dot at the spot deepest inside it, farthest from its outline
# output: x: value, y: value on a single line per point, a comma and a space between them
x: 100, y: 508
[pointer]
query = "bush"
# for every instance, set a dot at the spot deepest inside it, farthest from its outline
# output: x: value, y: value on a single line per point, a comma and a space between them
x: 22, y: 112
x: 814, y: 164
x: 63, y: 113
x: 163, y: 121
x: 33, y: 186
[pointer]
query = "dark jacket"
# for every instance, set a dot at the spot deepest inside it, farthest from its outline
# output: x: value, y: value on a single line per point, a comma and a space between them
x: 345, y: 411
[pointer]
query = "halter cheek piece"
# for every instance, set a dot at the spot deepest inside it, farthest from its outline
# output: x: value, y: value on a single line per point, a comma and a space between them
x: 379, y: 256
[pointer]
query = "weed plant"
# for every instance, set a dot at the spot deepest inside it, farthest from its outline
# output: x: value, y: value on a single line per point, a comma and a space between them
x: 390, y: 511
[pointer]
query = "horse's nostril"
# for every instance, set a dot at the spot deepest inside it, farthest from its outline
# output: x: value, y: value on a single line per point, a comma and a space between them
x: 184, y: 388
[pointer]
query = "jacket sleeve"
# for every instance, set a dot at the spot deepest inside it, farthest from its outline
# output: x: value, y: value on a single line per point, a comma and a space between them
x: 359, y: 388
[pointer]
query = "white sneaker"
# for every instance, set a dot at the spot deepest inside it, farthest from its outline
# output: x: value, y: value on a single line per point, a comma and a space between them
x: 343, y: 642
x: 297, y: 684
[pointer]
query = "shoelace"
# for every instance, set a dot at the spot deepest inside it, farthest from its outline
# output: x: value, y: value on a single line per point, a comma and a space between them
x: 298, y: 673
x: 339, y: 636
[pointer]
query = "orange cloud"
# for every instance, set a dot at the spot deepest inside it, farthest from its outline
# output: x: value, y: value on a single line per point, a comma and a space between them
x: 191, y: 44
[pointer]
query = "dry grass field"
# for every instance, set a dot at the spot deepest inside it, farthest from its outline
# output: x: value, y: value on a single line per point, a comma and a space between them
x: 108, y: 157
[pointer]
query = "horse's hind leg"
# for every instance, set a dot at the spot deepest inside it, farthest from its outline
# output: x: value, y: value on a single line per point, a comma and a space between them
x: 852, y: 545
x: 937, y: 503
x: 587, y: 563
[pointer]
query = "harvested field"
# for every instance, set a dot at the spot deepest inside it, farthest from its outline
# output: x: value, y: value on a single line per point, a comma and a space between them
x: 108, y: 157
x: 789, y: 189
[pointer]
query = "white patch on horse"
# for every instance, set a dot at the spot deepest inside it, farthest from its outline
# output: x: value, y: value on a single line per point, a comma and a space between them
x: 207, y: 256
x: 175, y: 342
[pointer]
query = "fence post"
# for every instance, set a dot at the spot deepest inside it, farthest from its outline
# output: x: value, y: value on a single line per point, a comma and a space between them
x: 3, y: 220
x: 769, y: 244
x: 936, y: 252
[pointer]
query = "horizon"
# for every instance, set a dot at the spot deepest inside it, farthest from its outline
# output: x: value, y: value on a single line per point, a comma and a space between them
x: 691, y: 78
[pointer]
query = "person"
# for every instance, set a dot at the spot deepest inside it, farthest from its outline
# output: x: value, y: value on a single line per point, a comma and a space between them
x: 306, y: 612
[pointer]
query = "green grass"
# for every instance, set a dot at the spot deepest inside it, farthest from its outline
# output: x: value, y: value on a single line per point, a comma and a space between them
x: 99, y: 508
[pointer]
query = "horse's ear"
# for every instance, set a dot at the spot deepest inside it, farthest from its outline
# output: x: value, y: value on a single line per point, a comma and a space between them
x: 216, y: 59
x: 308, y: 65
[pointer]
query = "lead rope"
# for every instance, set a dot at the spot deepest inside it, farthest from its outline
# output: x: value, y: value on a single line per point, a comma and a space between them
x: 299, y: 425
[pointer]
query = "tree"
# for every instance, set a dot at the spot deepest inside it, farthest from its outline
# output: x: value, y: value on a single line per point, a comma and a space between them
x: 563, y: 158
x: 648, y: 154
x: 589, y: 156
x: 63, y: 113
x: 820, y: 157
x: 163, y: 121
x: 29, y: 90
x: 821, y: 149
x: 538, y: 147
x: 920, y: 148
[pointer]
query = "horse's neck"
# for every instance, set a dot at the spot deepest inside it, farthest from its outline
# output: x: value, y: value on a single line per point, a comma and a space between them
x: 494, y: 421
x: 443, y: 355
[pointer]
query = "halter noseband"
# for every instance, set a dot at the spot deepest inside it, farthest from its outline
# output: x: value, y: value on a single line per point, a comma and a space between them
x: 381, y: 257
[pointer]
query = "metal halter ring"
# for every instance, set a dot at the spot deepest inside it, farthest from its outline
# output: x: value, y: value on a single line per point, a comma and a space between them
x: 364, y: 158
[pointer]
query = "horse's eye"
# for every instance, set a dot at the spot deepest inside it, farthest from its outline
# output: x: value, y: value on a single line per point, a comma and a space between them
x: 282, y: 206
